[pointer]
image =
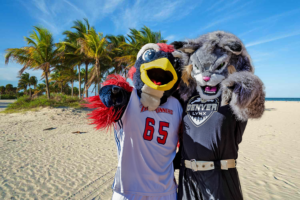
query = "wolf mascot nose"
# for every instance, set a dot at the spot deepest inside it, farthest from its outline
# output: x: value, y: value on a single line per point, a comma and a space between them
x: 206, y: 78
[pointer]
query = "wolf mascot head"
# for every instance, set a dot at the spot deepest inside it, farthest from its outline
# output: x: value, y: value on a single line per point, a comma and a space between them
x: 218, y: 64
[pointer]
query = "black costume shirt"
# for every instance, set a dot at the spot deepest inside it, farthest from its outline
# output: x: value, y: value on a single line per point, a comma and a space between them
x: 210, y: 133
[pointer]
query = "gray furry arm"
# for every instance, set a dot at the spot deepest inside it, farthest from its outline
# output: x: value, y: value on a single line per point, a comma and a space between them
x: 247, y: 95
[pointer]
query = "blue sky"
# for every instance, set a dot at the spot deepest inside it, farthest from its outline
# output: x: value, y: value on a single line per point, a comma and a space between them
x: 270, y: 29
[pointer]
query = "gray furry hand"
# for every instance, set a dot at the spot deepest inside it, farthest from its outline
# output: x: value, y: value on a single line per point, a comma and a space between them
x: 245, y: 87
x: 247, y: 94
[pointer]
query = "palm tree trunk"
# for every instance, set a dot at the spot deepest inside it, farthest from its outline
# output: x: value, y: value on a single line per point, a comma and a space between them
x: 79, y: 80
x: 99, y: 86
x: 86, y: 79
x: 47, y: 85
x: 98, y: 75
x: 72, y: 91
x: 29, y: 91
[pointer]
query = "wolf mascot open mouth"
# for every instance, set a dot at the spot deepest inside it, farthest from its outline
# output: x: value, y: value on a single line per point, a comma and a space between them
x: 221, y: 93
x: 146, y: 121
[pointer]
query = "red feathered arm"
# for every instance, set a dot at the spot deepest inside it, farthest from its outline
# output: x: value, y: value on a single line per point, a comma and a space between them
x: 102, y: 116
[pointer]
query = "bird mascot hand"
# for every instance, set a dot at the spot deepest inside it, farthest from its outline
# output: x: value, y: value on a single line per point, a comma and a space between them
x: 112, y: 95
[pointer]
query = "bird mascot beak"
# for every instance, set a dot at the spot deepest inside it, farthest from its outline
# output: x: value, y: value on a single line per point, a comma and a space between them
x: 163, y: 64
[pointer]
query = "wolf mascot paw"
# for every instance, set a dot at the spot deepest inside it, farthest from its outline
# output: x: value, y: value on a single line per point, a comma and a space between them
x: 245, y: 93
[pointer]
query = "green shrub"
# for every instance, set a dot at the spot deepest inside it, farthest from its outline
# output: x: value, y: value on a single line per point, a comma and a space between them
x: 8, y: 96
x: 25, y: 103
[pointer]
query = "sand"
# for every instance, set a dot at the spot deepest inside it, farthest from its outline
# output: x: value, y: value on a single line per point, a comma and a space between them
x: 58, y: 164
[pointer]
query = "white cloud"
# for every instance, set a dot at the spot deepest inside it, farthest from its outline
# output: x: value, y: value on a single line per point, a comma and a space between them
x: 224, y: 19
x: 143, y: 12
x: 278, y: 16
x: 226, y: 6
x: 170, y: 38
x: 230, y: 11
x: 249, y: 31
x: 75, y: 8
x: 58, y: 15
x: 272, y: 39
x: 41, y: 5
x: 214, y: 5
x: 10, y: 72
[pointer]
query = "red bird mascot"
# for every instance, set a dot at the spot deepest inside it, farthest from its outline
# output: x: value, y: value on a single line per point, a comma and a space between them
x: 146, y: 121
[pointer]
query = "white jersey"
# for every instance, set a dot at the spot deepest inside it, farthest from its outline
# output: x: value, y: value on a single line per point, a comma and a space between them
x: 146, y: 143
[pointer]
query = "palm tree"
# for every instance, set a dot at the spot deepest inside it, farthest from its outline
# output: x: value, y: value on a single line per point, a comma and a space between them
x: 115, y: 46
x: 94, y: 47
x: 2, y: 90
x: 24, y: 81
x: 106, y: 69
x: 135, y: 41
x: 60, y: 76
x: 73, y: 54
x: 40, y: 54
x: 9, y: 88
x: 71, y: 75
x: 33, y: 81
x: 40, y: 88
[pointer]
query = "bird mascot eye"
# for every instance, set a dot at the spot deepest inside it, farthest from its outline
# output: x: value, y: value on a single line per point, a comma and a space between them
x: 149, y: 55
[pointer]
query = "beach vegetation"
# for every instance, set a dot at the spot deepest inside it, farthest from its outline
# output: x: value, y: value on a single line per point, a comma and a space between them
x: 62, y: 62
x: 26, y: 81
x: 9, y: 92
x: 26, y: 103
x: 40, y: 53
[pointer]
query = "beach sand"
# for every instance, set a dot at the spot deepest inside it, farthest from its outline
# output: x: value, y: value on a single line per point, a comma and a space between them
x: 58, y: 164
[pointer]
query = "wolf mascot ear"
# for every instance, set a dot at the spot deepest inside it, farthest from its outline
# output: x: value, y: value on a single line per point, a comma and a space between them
x: 243, y: 90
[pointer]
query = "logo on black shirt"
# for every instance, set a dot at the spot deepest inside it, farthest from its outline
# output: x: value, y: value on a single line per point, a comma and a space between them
x: 200, y: 110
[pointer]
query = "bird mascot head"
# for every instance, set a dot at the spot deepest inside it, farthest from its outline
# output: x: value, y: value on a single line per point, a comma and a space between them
x: 156, y: 73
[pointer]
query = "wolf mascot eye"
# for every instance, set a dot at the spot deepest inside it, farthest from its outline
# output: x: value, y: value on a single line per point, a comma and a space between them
x: 146, y: 120
x: 221, y: 93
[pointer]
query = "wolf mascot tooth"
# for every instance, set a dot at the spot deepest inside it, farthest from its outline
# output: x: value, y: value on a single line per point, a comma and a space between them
x: 220, y: 93
x: 146, y: 119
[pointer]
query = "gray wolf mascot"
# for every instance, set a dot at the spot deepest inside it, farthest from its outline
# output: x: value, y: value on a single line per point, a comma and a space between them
x: 220, y: 93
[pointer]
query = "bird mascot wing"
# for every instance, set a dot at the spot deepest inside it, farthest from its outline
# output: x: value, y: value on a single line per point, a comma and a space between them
x: 108, y: 106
